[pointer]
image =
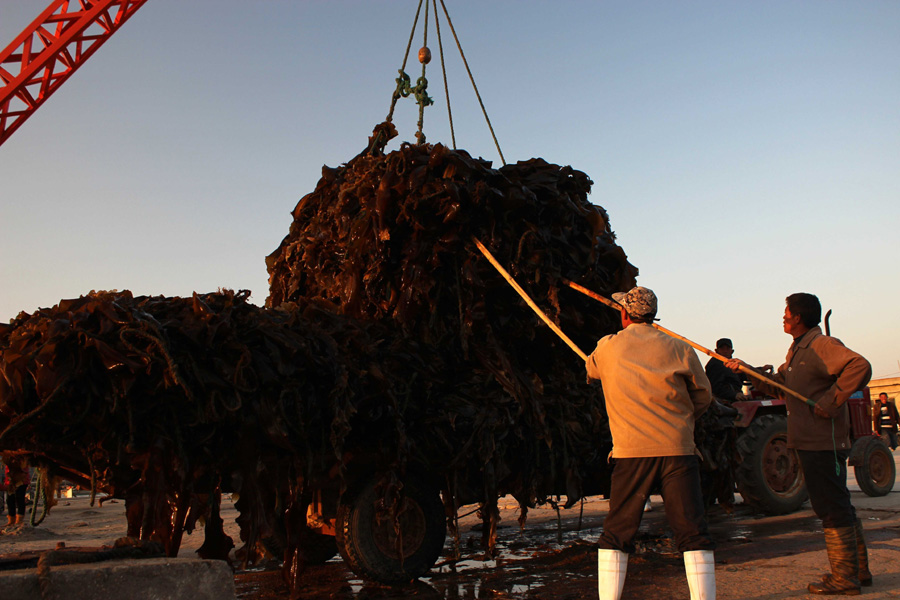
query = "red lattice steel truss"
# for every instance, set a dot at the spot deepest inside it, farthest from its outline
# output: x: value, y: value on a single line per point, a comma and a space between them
x: 40, y: 60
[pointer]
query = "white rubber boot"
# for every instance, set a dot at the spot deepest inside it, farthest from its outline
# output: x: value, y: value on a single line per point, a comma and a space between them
x: 700, y: 568
x: 611, y: 567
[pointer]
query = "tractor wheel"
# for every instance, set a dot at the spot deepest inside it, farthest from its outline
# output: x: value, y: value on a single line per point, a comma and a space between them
x: 768, y: 475
x: 378, y: 547
x: 876, y: 471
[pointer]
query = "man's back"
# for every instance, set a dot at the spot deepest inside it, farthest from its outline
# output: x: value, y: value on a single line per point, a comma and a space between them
x: 654, y: 386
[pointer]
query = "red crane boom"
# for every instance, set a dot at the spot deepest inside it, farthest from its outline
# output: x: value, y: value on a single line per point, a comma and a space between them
x: 49, y: 50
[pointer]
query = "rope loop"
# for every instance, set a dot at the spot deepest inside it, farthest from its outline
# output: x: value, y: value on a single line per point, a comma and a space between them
x: 421, y: 92
x: 404, y: 87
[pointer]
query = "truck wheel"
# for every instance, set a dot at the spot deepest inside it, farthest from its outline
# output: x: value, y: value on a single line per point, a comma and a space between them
x: 768, y: 474
x: 876, y: 471
x: 367, y: 536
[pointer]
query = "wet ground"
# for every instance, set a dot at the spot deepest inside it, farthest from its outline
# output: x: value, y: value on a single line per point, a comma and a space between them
x: 758, y: 558
x: 554, y: 558
x: 545, y: 560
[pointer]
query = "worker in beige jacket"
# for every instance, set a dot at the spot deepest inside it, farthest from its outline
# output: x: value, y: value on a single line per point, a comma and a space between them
x: 655, y: 388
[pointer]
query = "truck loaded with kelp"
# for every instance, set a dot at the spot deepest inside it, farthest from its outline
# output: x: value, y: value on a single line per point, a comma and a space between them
x: 391, y: 378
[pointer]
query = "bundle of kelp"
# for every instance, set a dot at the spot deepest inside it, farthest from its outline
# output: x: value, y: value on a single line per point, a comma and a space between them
x: 169, y: 401
x: 388, y: 238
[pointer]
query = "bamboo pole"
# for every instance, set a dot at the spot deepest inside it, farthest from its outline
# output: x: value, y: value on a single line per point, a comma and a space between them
x: 743, y: 368
x: 487, y: 254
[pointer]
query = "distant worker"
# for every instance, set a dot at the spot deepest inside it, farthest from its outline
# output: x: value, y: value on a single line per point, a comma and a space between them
x: 822, y: 369
x: 727, y: 386
x: 16, y: 485
x: 655, y: 389
x: 886, y: 419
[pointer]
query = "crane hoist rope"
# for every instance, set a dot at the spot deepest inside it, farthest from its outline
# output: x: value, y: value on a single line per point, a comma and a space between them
x: 419, y: 91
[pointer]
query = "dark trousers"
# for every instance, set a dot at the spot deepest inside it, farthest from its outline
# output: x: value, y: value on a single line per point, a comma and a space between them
x: 892, y: 436
x: 679, y: 481
x: 828, y: 493
x: 15, y: 501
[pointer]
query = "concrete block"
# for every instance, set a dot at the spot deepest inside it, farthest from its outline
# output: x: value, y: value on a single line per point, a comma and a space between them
x: 144, y: 579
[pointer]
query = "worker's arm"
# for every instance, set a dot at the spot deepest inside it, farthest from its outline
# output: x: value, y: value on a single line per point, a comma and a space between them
x: 698, y: 384
x: 595, y: 360
x: 760, y: 383
x: 850, y: 370
x: 724, y: 384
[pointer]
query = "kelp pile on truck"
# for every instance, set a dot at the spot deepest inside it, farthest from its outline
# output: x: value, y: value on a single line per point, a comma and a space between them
x: 166, y: 402
x: 390, y: 353
x: 388, y: 238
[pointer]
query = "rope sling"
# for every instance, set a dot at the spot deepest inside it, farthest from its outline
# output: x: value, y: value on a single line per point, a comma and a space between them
x: 419, y: 91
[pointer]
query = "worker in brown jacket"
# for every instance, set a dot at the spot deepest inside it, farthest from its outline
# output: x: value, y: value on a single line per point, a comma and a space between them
x: 655, y: 388
x: 822, y: 369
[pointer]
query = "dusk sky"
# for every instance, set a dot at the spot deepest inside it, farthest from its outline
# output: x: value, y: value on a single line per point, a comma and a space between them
x: 743, y: 150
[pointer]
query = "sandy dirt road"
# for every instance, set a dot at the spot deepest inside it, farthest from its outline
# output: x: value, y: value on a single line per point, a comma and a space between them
x: 759, y: 557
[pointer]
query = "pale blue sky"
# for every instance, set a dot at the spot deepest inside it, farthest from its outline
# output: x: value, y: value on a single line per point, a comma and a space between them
x: 744, y: 150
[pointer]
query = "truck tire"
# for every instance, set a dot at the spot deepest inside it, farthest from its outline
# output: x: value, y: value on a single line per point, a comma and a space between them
x: 367, y: 540
x: 768, y: 474
x: 876, y: 471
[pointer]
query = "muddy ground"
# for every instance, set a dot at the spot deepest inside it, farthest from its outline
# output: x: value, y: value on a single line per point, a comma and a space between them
x: 759, y: 557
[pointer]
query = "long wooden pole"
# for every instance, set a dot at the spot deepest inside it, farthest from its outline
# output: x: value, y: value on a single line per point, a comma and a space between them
x: 743, y: 368
x: 487, y: 254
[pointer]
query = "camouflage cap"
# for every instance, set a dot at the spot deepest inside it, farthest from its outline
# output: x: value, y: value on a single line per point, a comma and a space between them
x: 638, y: 302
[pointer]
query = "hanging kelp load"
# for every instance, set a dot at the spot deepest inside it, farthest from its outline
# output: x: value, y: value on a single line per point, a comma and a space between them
x: 388, y: 238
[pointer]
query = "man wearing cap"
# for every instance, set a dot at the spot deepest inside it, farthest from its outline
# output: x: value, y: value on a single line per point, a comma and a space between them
x: 655, y: 388
x: 727, y: 385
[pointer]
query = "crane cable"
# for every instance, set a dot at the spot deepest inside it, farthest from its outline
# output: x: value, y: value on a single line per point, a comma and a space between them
x: 420, y: 91
x: 437, y: 26
x: 472, y: 79
x: 423, y: 100
x: 404, y: 86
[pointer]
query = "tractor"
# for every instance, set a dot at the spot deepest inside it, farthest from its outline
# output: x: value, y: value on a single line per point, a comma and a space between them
x: 768, y: 473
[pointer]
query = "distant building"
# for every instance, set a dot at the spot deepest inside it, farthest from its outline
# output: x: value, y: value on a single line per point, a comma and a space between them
x: 889, y: 385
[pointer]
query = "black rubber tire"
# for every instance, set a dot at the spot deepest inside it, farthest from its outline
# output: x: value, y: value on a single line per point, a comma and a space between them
x: 877, y: 471
x: 768, y: 474
x: 366, y: 539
